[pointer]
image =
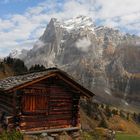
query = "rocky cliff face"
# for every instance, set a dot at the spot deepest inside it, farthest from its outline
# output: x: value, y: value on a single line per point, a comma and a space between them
x: 99, y: 57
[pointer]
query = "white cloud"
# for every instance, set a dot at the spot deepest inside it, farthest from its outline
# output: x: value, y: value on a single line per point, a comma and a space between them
x: 127, y: 12
x: 17, y: 28
x: 5, y: 24
x: 117, y: 7
x: 83, y: 44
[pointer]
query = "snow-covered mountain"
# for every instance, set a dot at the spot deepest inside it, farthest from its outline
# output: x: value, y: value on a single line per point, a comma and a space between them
x: 102, y: 58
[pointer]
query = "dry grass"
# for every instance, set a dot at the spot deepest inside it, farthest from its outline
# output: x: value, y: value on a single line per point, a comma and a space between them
x: 119, y: 124
x: 8, y: 72
x: 86, y: 122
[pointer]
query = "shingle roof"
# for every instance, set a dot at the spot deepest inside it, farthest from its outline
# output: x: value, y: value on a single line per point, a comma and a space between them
x: 13, y: 81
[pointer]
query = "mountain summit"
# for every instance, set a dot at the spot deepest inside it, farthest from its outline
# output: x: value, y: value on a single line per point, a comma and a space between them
x: 104, y: 59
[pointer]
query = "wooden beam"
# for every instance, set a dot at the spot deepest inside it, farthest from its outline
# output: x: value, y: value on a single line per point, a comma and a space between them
x: 51, y: 130
x: 74, y: 86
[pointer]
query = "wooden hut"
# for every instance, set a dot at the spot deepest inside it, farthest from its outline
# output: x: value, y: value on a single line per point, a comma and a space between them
x: 42, y: 101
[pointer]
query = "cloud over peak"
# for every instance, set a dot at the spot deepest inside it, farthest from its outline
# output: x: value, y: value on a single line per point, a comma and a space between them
x: 17, y: 29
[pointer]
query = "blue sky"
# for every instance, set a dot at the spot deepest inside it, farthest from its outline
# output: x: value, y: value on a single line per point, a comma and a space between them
x: 15, y: 6
x: 22, y: 22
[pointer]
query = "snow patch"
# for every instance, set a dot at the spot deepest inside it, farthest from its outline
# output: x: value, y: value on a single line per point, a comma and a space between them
x: 78, y: 23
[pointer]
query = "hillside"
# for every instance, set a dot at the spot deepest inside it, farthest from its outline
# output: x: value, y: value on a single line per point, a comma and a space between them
x: 5, y: 71
x: 99, y: 121
x: 11, y: 66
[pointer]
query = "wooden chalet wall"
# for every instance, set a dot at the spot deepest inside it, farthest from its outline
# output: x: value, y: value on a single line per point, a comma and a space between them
x: 6, y: 103
x: 48, y: 104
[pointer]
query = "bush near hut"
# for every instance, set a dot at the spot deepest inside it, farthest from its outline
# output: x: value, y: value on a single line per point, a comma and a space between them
x: 12, y: 135
x: 103, y: 123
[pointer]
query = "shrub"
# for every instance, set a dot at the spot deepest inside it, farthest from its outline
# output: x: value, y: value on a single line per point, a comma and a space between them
x: 12, y: 135
x: 36, y: 68
x: 115, y: 112
x: 122, y: 114
x: 138, y: 117
x: 108, y: 111
x: 103, y: 123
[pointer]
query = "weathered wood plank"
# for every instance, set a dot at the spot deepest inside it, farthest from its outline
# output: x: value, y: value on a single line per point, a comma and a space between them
x: 60, y: 126
x: 60, y: 100
x: 6, y: 99
x: 44, y: 117
x: 27, y: 127
x: 60, y: 112
x: 6, y: 108
x: 36, y: 124
x: 55, y: 130
x: 59, y: 109
x: 5, y: 102
x: 29, y: 119
x: 61, y: 106
x: 59, y: 122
